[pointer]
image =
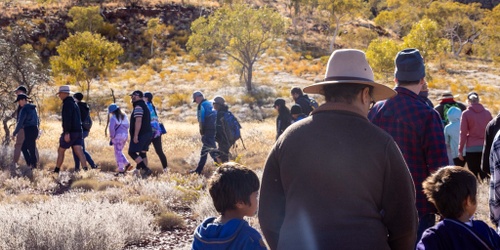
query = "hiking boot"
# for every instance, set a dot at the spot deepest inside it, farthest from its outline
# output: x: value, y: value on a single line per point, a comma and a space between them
x: 193, y: 171
x: 56, y: 170
x: 95, y: 166
x: 85, y: 168
x: 146, y: 173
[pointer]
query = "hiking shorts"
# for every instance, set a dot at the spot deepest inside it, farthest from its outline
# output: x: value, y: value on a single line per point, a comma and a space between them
x: 142, y: 145
x: 75, y: 139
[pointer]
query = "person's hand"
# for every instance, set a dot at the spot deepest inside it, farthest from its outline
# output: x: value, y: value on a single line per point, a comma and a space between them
x: 66, y: 137
x: 136, y: 139
x: 461, y: 157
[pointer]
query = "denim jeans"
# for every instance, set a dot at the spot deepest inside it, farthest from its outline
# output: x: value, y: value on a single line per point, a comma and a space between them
x: 88, y: 157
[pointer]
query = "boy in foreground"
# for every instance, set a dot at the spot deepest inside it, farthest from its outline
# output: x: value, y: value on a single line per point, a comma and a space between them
x: 234, y: 191
x: 453, y: 191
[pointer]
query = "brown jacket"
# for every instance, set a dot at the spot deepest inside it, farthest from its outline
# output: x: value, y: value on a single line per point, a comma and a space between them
x: 336, y: 181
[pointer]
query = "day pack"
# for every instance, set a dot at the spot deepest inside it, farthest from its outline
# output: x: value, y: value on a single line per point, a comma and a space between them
x: 314, y: 105
x: 446, y: 107
x: 231, y: 127
x: 87, y: 123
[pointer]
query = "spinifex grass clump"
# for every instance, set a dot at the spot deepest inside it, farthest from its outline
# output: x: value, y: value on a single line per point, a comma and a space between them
x: 67, y: 222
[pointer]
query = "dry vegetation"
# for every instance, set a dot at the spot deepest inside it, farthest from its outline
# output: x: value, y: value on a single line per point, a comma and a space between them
x: 96, y: 210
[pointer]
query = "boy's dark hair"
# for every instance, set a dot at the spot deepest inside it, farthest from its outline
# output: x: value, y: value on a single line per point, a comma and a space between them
x: 344, y: 92
x: 448, y: 188
x: 232, y: 183
x: 296, y: 90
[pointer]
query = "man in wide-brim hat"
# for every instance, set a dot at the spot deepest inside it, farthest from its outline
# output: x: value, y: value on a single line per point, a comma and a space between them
x: 334, y: 172
x: 446, y: 101
x: 416, y: 128
x: 72, y: 136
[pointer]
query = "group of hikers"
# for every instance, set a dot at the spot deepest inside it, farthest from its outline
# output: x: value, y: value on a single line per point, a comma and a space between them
x: 368, y: 169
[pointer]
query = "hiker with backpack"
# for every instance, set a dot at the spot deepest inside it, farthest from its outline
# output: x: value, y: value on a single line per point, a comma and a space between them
x: 86, y: 125
x: 446, y: 101
x: 306, y: 103
x: 157, y: 131
x: 227, y: 129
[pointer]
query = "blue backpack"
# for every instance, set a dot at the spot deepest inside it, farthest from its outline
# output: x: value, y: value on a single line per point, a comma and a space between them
x: 231, y: 127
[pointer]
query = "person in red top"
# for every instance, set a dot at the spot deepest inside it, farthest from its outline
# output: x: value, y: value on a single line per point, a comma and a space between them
x: 416, y: 128
x: 472, y: 129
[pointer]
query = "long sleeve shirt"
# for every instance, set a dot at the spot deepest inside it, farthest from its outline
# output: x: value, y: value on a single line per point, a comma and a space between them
x: 472, y: 128
x: 494, y: 200
x: 418, y: 131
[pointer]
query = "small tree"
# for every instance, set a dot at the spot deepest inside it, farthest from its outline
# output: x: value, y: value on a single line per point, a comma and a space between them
x: 425, y: 36
x: 20, y: 66
x: 459, y: 22
x: 84, y: 56
x: 488, y: 45
x: 154, y: 30
x: 85, y: 19
x: 338, y: 11
x: 380, y: 54
x: 241, y: 32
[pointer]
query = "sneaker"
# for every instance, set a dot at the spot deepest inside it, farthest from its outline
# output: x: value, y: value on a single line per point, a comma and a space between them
x: 95, y: 166
x: 146, y: 173
x: 56, y: 170
x: 165, y: 170
x: 85, y: 168
x: 193, y: 171
x: 129, y: 167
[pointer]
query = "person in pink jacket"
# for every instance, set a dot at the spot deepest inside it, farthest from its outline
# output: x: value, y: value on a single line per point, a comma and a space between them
x: 472, y: 128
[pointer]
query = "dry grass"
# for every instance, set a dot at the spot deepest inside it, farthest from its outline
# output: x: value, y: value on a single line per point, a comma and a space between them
x: 169, y: 221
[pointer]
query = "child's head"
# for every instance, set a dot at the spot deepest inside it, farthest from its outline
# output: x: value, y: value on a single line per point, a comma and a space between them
x: 232, y: 183
x: 449, y: 188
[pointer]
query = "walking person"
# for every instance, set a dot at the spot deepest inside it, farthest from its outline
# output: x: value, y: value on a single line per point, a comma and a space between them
x: 27, y: 121
x: 306, y: 103
x: 452, y: 136
x: 472, y: 131
x: 352, y: 179
x: 140, y: 133
x: 446, y: 101
x: 416, y: 128
x: 20, y: 134
x: 72, y: 135
x: 84, y: 112
x: 155, y: 126
x: 118, y: 132
x: 491, y: 130
x: 284, y: 118
x: 206, y: 121
x: 221, y: 136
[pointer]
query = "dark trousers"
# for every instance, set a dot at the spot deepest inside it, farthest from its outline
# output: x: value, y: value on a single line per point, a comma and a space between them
x: 88, y: 157
x: 473, y: 160
x: 29, y: 145
x: 209, y: 147
x: 223, y: 151
x: 159, y: 151
x: 458, y: 162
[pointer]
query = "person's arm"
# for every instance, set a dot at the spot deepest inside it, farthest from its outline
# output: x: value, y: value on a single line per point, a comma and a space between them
x: 271, y: 201
x: 20, y: 122
x: 398, y: 200
x: 112, y: 125
x: 494, y: 200
x: 201, y: 119
x: 434, y: 143
x: 464, y: 131
x: 138, y: 113
x: 488, y: 140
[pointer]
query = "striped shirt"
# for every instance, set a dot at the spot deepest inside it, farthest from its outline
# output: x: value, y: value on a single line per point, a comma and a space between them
x: 495, y: 180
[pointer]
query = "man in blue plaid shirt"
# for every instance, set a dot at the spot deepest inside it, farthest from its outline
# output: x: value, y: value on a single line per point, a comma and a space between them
x: 416, y: 128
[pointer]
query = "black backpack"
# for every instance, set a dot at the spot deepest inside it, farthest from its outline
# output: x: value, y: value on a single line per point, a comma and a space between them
x: 87, y: 123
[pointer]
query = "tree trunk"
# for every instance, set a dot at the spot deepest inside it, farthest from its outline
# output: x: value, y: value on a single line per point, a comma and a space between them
x: 335, y: 32
x: 249, y: 78
x: 6, y: 140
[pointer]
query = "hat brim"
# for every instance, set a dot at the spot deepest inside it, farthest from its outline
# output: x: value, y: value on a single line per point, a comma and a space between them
x: 71, y: 92
x: 380, y: 92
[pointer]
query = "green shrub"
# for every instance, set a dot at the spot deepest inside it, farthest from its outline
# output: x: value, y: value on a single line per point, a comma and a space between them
x: 169, y: 220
